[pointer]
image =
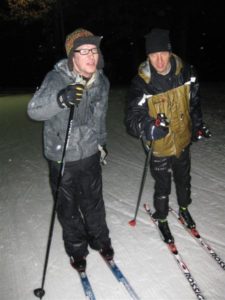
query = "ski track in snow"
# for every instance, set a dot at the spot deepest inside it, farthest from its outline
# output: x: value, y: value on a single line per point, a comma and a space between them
x: 26, y: 206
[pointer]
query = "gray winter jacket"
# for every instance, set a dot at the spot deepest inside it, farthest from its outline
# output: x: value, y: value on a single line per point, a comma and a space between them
x: 89, y: 122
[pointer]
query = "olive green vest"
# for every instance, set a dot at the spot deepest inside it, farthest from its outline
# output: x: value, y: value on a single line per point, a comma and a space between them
x: 175, y: 104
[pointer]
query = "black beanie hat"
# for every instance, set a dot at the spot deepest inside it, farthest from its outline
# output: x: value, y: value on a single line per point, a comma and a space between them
x: 157, y: 40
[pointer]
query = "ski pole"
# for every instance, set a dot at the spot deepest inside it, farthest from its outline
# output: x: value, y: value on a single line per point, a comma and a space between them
x: 148, y: 156
x: 40, y: 292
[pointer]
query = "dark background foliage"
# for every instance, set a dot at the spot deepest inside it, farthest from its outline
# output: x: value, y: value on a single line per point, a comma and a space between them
x: 31, y: 45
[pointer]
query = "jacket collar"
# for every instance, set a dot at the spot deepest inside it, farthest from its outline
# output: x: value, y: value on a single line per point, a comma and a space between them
x: 144, y: 70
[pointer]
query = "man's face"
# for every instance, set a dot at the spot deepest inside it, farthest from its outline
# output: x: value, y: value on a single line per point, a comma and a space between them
x: 160, y: 61
x: 85, y: 62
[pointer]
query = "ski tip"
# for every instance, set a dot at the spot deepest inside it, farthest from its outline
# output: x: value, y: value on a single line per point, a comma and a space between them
x: 132, y: 223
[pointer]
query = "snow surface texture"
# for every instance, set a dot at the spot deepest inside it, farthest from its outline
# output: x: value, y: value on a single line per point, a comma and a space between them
x: 26, y: 205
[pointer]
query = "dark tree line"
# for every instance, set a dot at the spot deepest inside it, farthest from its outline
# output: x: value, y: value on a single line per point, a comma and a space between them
x: 32, y: 33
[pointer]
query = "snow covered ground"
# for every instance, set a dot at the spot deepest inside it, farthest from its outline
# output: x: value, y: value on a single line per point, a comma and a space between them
x: 26, y: 205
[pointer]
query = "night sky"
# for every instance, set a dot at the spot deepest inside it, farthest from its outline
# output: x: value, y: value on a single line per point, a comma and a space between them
x: 31, y: 46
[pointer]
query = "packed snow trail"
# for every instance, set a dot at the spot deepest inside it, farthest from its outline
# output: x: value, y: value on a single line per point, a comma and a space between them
x: 26, y: 204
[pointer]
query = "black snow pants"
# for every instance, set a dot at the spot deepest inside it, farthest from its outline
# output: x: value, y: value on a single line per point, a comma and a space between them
x: 162, y: 169
x: 80, y: 205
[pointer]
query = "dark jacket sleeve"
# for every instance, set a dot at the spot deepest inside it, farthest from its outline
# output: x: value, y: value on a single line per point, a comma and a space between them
x: 195, y: 102
x: 136, y: 111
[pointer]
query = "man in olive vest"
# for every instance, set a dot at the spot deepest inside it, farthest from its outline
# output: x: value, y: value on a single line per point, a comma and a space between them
x: 164, y: 110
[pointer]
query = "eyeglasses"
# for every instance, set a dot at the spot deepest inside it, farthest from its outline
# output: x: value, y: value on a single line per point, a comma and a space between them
x: 87, y: 51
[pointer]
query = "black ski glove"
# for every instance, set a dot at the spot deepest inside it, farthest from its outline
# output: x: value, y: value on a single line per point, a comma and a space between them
x: 71, y: 95
x: 202, y: 132
x: 156, y: 129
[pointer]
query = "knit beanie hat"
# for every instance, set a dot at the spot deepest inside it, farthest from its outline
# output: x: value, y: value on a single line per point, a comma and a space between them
x: 157, y: 40
x: 80, y: 37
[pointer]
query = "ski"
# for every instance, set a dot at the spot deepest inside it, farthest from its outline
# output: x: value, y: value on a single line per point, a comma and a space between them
x: 174, y: 251
x: 196, y: 235
x: 86, y: 285
x: 120, y: 277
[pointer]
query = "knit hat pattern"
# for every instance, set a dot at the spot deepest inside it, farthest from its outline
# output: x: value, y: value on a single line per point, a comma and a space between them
x: 80, y: 37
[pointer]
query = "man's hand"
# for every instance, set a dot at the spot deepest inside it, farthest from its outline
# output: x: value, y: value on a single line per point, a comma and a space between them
x: 156, y: 129
x: 202, y: 132
x: 71, y: 95
x: 104, y: 153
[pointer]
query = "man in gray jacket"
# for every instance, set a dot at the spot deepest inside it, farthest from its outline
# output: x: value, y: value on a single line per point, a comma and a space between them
x: 77, y: 81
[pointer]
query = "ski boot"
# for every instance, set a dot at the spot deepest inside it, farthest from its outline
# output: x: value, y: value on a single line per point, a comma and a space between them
x: 78, y: 263
x: 107, y: 252
x: 186, y: 217
x: 165, y: 231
